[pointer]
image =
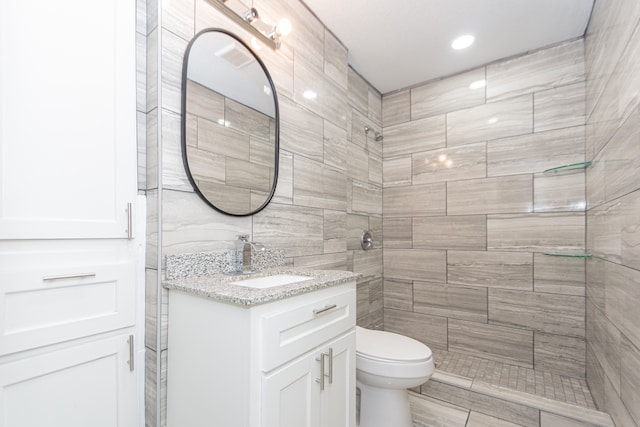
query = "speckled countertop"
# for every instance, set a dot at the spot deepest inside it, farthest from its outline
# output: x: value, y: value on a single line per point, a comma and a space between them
x: 219, y: 287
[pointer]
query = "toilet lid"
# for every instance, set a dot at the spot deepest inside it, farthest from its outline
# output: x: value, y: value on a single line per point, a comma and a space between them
x: 389, y: 346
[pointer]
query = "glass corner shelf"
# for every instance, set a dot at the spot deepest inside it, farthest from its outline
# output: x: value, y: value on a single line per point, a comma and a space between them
x: 572, y: 166
x: 569, y: 254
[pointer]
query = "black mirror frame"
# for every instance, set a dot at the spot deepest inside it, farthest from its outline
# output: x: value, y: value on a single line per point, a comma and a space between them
x: 183, y: 124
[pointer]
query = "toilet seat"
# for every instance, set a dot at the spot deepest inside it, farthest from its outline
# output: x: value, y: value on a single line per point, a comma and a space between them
x: 386, y: 354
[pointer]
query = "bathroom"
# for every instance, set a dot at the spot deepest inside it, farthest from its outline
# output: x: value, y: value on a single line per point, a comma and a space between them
x: 458, y: 259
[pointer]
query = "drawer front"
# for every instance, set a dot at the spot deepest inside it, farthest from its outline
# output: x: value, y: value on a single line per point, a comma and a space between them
x: 43, y: 306
x: 290, y: 333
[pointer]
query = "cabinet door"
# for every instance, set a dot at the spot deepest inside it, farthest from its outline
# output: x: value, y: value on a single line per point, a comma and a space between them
x: 290, y: 395
x: 86, y: 385
x: 338, y: 398
x: 67, y: 118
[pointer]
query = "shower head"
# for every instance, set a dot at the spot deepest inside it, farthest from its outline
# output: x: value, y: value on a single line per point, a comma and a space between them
x: 377, y: 136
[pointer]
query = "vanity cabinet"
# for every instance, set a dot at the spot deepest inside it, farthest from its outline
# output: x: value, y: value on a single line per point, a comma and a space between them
x: 261, y: 366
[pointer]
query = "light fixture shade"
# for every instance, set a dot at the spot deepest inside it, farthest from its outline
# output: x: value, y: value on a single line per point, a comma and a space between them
x: 284, y: 27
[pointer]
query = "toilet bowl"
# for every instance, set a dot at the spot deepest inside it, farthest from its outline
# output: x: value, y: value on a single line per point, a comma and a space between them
x: 387, y: 364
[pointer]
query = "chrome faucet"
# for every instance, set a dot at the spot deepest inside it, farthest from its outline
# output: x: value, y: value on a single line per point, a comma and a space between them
x: 244, y: 263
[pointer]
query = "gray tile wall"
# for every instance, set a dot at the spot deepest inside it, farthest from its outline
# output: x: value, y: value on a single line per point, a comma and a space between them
x: 613, y: 206
x: 468, y: 211
x: 330, y: 179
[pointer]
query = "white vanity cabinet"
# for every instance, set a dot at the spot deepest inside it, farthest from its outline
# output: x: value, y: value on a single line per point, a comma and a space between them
x: 262, y: 365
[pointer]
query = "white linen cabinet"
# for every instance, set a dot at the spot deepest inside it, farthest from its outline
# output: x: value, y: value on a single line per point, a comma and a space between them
x: 68, y: 256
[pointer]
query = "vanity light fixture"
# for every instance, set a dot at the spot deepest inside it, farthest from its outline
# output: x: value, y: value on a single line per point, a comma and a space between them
x: 463, y: 42
x: 270, y: 35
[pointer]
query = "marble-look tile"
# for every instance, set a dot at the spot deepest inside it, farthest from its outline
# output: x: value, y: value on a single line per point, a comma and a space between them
x: 596, y: 282
x: 155, y: 392
x: 362, y: 303
x: 616, y: 407
x: 329, y: 103
x: 172, y: 55
x: 415, y: 264
x: 151, y: 312
x: 621, y: 95
x: 301, y: 132
x: 622, y: 299
x: 141, y: 145
x: 396, y: 107
x: 559, y: 275
x: 396, y: 172
x: 518, y: 414
x: 510, y: 194
x: 595, y: 378
x: 458, y: 302
x: 335, y: 231
x: 174, y: 176
x: 450, y: 164
x: 550, y: 313
x: 152, y: 230
x: 317, y: 185
x: 501, y: 119
x: 494, y: 342
x: 355, y: 225
x: 375, y: 169
x: 559, y: 192
x: 619, y: 162
x: 430, y: 330
x: 366, y: 198
x: 548, y: 419
x: 335, y: 146
x: 221, y: 140
x: 333, y: 261
x: 414, y: 136
x: 559, y: 107
x: 500, y: 270
x: 375, y: 227
x: 152, y: 70
x: 368, y: 263
x: 296, y: 229
x: 374, y: 106
x: 247, y: 120
x: 398, y: 294
x: 428, y: 412
x: 459, y: 232
x: 630, y: 377
x: 447, y: 95
x: 357, y: 162
x: 188, y: 225
x: 536, y: 152
x: 613, y: 231
x: 358, y: 91
x: 397, y: 233
x: 539, y: 232
x: 543, y: 69
x: 605, y: 342
x: 178, y: 17
x: 335, y: 59
x: 242, y: 174
x: 414, y: 200
x: 141, y: 70
x: 284, y: 185
x: 559, y: 353
x: 477, y: 419
x: 141, y: 17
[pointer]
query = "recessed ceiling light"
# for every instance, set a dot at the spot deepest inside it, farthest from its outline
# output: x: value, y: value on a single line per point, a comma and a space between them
x: 309, y: 94
x: 463, y: 42
x: 478, y: 84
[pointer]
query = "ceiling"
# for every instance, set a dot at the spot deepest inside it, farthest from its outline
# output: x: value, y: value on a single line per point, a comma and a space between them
x: 399, y: 43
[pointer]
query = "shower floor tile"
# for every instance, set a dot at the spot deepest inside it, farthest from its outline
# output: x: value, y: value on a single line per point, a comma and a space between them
x: 549, y: 385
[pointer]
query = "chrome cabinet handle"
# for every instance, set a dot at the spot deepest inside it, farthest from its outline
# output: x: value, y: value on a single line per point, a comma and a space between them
x: 322, y: 374
x: 317, y: 311
x: 131, y: 353
x: 330, y: 365
x: 68, y: 276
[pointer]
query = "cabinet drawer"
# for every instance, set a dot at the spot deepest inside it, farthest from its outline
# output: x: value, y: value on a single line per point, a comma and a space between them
x: 290, y: 333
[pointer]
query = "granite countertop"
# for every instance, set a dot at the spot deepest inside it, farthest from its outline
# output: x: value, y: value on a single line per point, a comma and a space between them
x: 219, y: 287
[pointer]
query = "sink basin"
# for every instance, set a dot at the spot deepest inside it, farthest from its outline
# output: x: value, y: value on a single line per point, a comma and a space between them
x: 271, y: 281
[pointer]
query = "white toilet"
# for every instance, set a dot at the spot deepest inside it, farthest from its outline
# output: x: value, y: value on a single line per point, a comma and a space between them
x: 387, y: 364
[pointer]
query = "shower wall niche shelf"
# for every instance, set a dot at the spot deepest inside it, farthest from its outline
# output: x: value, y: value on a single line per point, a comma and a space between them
x: 568, y: 254
x: 570, y: 167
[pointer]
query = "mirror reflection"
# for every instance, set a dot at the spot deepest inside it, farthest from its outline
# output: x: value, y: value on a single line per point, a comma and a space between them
x: 230, y: 124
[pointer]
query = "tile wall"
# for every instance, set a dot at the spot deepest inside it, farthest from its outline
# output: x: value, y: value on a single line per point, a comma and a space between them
x: 330, y: 180
x: 468, y: 211
x: 613, y: 209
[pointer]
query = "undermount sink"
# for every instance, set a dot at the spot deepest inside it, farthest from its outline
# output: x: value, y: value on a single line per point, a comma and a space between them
x: 271, y: 281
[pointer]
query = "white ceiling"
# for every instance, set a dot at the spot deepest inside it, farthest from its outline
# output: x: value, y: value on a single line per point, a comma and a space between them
x: 399, y: 43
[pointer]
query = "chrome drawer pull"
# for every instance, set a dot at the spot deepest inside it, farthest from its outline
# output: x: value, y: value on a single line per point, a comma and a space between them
x: 68, y: 276
x: 322, y: 374
x: 317, y: 311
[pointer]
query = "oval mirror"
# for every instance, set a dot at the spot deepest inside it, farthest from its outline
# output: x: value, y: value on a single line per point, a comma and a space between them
x: 229, y: 124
